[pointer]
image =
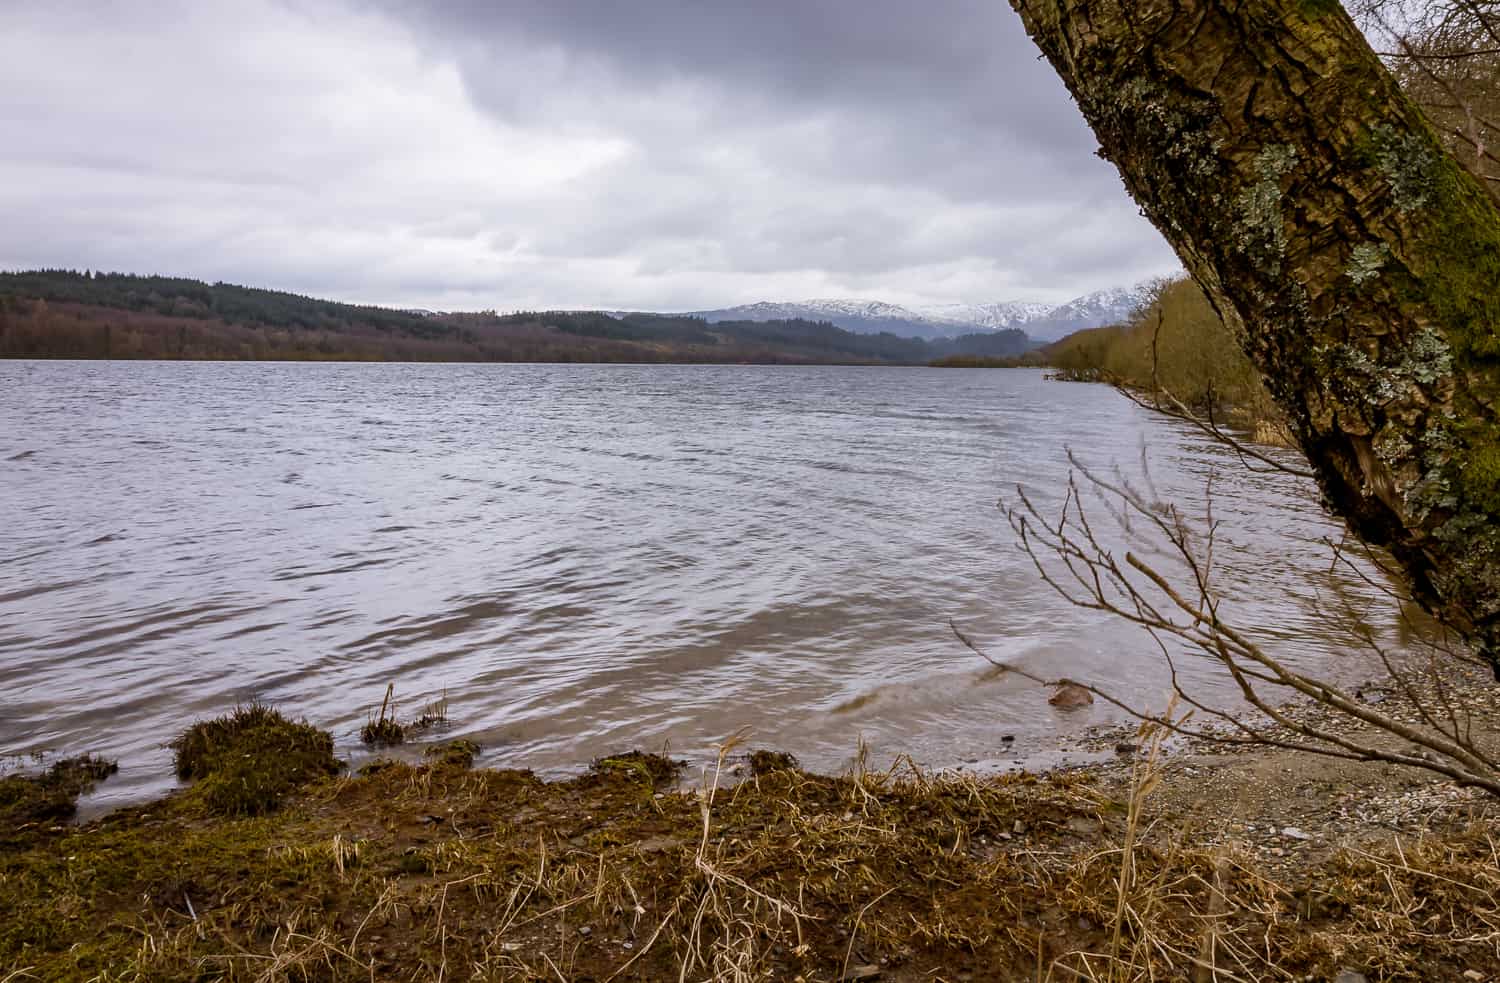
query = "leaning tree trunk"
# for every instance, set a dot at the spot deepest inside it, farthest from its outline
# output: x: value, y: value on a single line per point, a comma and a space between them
x: 1358, y: 262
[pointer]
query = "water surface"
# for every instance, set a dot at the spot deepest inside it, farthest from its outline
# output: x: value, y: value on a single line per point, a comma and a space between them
x: 585, y: 558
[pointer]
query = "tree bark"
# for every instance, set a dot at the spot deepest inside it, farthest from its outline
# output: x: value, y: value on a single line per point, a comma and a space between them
x: 1358, y: 262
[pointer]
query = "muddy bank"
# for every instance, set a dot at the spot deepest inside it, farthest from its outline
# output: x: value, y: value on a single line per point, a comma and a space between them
x: 270, y: 867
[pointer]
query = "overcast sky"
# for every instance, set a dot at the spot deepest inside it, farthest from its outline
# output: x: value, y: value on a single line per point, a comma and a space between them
x: 655, y: 154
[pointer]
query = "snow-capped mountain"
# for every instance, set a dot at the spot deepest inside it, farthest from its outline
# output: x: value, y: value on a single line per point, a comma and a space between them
x: 1042, y: 322
x: 862, y: 316
x: 1091, y: 311
x: 1009, y: 314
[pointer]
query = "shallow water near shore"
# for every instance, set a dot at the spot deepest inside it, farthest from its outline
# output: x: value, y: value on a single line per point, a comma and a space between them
x: 590, y: 558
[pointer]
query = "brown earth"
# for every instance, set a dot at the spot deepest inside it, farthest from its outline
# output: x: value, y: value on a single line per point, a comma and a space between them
x: 1256, y: 864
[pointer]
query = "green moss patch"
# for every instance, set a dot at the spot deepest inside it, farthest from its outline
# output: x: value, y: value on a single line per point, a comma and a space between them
x: 656, y: 770
x: 29, y: 801
x: 247, y: 761
x: 764, y: 762
x: 458, y: 754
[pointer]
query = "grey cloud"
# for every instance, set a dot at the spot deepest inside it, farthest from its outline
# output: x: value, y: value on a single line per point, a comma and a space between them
x: 660, y: 154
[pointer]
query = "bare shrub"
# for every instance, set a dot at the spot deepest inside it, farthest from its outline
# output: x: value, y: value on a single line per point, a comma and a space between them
x: 1168, y: 589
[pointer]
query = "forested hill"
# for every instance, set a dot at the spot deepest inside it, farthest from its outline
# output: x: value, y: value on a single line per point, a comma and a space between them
x: 66, y: 314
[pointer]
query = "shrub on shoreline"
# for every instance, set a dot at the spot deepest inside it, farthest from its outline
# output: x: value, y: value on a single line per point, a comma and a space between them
x: 1176, y: 342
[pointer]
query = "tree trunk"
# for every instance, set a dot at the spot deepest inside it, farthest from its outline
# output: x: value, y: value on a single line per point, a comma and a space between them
x: 1356, y: 259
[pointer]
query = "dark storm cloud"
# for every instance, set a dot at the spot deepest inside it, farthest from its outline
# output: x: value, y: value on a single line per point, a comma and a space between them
x: 905, y: 86
x: 651, y: 154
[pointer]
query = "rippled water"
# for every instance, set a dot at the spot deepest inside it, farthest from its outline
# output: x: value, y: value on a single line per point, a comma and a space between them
x: 585, y: 558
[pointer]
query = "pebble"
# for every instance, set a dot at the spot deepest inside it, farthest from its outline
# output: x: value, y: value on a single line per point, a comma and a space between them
x: 1293, y: 833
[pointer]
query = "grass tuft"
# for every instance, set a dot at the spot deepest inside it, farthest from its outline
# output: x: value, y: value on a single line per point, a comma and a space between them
x: 382, y: 733
x: 248, y: 760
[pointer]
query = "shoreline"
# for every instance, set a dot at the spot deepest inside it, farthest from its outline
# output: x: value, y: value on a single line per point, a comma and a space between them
x: 630, y: 871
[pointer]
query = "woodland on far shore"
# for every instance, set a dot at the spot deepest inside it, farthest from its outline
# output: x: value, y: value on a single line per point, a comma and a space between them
x: 83, y: 315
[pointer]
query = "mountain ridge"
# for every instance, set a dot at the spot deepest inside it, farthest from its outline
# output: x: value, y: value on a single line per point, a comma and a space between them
x: 1041, y: 321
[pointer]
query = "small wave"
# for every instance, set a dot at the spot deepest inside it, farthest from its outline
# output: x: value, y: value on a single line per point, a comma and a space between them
x: 331, y: 571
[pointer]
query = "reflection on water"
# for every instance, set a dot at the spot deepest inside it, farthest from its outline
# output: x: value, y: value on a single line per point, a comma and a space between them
x: 584, y: 557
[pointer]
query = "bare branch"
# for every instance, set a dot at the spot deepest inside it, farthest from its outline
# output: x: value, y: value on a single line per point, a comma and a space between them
x: 1141, y: 593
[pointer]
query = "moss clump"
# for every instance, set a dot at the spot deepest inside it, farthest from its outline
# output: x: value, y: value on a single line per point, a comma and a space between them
x: 27, y: 800
x: 247, y: 761
x: 458, y: 754
x: 765, y: 762
x: 1315, y: 9
x: 1455, y: 272
x: 1481, y: 477
x: 656, y: 769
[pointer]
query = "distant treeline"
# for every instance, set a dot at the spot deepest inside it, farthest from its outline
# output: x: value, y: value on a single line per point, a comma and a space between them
x: 1176, y: 342
x: 1032, y: 359
x: 69, y: 314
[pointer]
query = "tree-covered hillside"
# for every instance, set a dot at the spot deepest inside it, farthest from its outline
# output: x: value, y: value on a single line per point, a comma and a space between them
x: 67, y: 314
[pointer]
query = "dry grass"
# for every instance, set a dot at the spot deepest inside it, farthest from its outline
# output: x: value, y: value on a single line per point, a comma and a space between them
x: 439, y: 872
x: 383, y: 729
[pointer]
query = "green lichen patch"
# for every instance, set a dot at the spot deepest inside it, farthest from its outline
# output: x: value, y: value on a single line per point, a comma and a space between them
x: 1427, y: 358
x: 1262, y: 226
x: 246, y: 762
x: 1408, y: 162
x: 1366, y: 260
